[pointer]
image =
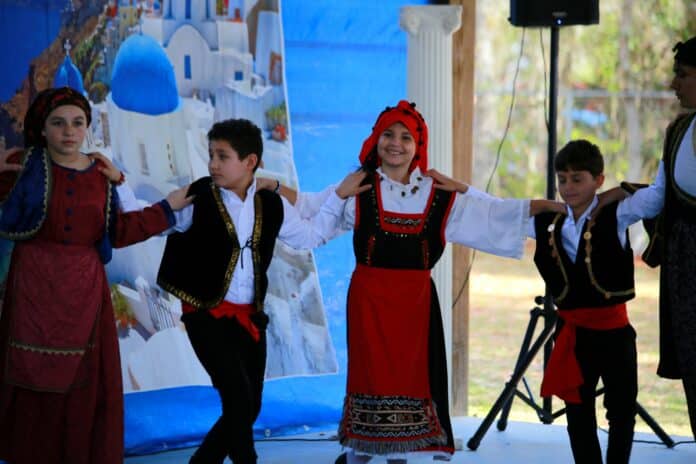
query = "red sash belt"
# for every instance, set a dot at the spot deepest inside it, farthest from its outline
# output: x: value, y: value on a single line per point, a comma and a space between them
x: 241, y: 312
x: 562, y: 376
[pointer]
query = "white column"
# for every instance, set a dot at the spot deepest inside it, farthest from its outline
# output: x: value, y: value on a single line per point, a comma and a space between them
x: 429, y: 85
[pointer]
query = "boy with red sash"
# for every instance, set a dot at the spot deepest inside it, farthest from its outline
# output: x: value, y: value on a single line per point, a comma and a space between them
x: 586, y: 261
x: 216, y: 263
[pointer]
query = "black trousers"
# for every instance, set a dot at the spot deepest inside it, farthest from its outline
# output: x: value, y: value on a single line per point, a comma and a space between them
x: 611, y: 356
x: 236, y: 365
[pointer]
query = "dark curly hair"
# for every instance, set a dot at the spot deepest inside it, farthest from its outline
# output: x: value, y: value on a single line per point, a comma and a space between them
x: 580, y: 155
x: 242, y: 135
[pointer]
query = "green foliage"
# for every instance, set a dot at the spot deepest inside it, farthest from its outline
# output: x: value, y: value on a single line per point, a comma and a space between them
x: 620, y: 68
x: 277, y: 115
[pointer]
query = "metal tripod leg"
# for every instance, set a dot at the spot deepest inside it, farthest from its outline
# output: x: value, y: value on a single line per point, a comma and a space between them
x: 535, y: 313
x: 524, y: 359
x: 523, y: 363
x: 652, y: 423
x: 643, y: 414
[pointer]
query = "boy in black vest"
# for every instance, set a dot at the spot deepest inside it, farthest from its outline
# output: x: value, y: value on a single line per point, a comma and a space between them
x: 586, y: 260
x: 216, y: 264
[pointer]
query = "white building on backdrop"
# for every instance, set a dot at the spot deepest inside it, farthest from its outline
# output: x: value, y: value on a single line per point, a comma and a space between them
x: 147, y: 124
x: 208, y: 46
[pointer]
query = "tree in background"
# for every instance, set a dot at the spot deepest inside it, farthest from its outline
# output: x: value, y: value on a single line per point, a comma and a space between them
x: 613, y: 90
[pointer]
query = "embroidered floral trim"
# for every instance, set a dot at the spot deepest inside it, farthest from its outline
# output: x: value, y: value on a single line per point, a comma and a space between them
x: 555, y: 253
x: 588, y: 262
x: 256, y: 252
x: 236, y: 251
x: 107, y: 208
x: 401, y: 225
x: 46, y: 350
x: 404, y: 222
x: 48, y: 187
x: 390, y: 424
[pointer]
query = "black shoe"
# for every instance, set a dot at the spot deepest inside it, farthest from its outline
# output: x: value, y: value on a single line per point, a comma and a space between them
x: 342, y: 459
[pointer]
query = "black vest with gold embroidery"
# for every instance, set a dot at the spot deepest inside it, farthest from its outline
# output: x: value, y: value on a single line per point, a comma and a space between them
x: 602, y: 274
x: 198, y: 264
x: 397, y: 240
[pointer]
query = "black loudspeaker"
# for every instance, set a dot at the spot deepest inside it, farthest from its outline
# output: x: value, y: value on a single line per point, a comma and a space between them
x: 543, y: 13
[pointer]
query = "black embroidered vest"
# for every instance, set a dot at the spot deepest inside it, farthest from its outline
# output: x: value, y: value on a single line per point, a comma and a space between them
x: 602, y: 274
x: 197, y: 265
x: 397, y: 240
x: 678, y: 204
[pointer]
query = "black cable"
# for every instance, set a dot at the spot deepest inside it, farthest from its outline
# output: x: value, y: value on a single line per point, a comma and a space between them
x: 497, y: 156
x: 546, y: 90
x: 653, y: 442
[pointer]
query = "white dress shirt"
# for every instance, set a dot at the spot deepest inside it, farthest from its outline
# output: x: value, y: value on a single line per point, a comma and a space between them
x: 476, y: 220
x: 652, y: 198
x: 295, y: 231
x: 630, y: 210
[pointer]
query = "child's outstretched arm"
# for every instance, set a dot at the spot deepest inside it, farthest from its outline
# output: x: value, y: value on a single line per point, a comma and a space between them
x: 308, y: 203
x: 487, y: 223
x: 349, y: 186
x: 265, y: 183
x: 443, y: 182
x: 334, y: 216
x: 546, y: 206
x: 139, y: 225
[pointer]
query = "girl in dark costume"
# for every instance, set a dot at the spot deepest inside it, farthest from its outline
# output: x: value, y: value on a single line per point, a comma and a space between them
x: 61, y: 399
x: 672, y: 195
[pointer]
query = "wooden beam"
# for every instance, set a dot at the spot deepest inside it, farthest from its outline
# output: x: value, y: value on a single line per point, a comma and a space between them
x: 463, y: 46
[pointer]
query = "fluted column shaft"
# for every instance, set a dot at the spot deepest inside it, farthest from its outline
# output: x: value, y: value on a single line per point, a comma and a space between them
x: 429, y: 85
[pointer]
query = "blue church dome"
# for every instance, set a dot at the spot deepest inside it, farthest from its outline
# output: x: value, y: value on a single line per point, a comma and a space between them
x: 68, y: 75
x: 143, y: 78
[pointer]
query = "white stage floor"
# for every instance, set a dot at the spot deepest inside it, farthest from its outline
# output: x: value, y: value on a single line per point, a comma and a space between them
x: 521, y: 442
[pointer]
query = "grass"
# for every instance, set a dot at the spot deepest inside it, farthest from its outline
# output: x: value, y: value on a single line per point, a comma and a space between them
x: 502, y: 292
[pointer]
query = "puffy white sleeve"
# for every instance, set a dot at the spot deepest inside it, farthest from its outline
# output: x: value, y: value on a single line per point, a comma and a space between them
x: 487, y: 223
x: 308, y: 205
x: 306, y: 233
x: 644, y: 203
x: 128, y: 202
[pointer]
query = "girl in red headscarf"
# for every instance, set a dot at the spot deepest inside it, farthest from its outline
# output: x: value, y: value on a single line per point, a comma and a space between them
x: 61, y: 399
x: 396, y: 396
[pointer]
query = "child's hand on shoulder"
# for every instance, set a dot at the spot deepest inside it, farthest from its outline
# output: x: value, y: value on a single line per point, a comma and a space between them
x: 266, y: 183
x: 546, y: 206
x: 177, y: 199
x: 351, y: 185
x: 4, y: 156
x: 443, y: 182
x: 558, y: 207
x: 108, y: 168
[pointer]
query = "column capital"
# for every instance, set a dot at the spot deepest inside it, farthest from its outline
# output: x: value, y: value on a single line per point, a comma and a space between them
x: 446, y: 18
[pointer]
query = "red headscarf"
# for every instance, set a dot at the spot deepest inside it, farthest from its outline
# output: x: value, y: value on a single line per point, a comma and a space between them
x: 44, y: 103
x: 406, y: 114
